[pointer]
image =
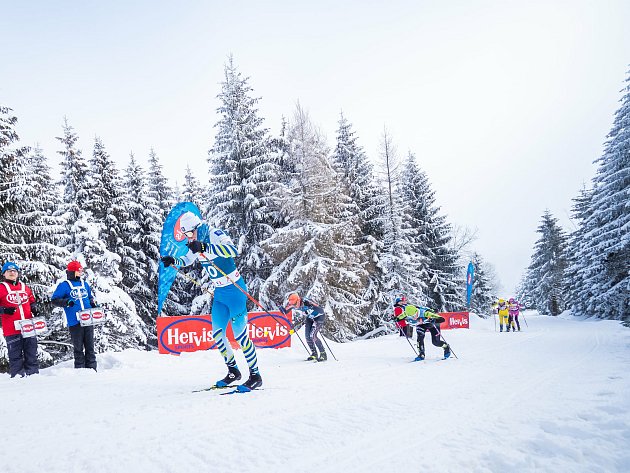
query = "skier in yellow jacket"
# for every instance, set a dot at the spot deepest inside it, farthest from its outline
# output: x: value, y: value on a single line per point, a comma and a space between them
x: 504, y: 312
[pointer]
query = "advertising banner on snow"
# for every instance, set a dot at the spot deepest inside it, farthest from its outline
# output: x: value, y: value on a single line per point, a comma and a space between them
x: 454, y: 320
x: 194, y: 332
x: 173, y: 243
x: 470, y: 277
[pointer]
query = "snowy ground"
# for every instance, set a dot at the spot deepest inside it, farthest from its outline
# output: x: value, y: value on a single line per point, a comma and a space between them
x: 553, y: 398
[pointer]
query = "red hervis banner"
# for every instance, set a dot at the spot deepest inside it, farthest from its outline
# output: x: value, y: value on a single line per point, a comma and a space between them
x: 194, y: 332
x: 454, y: 320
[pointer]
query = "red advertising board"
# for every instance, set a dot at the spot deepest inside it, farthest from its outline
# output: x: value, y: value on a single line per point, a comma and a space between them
x: 454, y: 320
x: 194, y: 332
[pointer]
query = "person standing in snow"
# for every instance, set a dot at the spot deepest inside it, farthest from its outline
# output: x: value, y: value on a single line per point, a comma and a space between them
x: 503, y: 311
x: 427, y: 319
x: 74, y: 295
x: 17, y: 303
x: 216, y: 252
x: 400, y: 318
x: 514, y: 308
x: 315, y: 319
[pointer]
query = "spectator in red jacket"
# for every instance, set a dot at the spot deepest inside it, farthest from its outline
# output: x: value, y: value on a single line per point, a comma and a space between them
x: 17, y: 303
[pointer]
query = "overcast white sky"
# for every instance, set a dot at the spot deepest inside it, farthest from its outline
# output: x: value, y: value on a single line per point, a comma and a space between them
x: 505, y: 103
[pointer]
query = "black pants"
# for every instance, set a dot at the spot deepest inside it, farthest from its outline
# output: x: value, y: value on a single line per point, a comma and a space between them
x: 22, y: 355
x: 435, y: 336
x: 83, y: 342
x: 311, y: 329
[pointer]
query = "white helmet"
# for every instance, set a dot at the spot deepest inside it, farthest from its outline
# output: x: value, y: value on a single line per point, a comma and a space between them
x: 189, y: 222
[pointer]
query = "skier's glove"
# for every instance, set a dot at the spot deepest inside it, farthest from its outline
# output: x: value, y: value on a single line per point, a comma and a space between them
x: 196, y: 246
x: 167, y: 260
x: 70, y: 303
x: 7, y: 310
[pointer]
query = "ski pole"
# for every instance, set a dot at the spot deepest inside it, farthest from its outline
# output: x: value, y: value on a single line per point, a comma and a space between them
x: 449, y: 345
x: 526, y: 324
x: 327, y: 346
x: 292, y: 331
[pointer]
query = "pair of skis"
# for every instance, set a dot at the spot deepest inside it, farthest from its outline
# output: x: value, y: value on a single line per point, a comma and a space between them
x: 238, y: 389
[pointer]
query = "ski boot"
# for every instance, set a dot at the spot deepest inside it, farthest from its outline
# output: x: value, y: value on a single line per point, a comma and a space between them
x: 313, y: 357
x: 420, y: 357
x: 254, y: 382
x: 233, y: 375
x: 322, y: 356
x: 447, y: 351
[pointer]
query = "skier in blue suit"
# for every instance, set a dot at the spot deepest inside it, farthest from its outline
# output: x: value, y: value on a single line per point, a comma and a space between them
x: 214, y: 249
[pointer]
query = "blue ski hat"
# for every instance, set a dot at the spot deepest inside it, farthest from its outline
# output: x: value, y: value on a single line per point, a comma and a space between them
x: 9, y: 265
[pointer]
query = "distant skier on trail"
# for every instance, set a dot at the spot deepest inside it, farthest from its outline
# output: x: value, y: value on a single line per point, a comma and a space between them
x: 315, y: 319
x: 514, y: 308
x: 215, y: 251
x: 503, y: 311
x: 427, y: 319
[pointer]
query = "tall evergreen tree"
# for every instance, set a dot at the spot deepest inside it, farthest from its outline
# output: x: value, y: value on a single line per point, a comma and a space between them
x: 601, y: 246
x: 546, y: 278
x: 316, y: 253
x: 357, y: 177
x: 242, y: 175
x: 484, y: 291
x: 74, y: 180
x: 434, y: 271
x: 11, y: 171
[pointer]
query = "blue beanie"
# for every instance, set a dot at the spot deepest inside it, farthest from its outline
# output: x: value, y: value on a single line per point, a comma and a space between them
x: 9, y: 265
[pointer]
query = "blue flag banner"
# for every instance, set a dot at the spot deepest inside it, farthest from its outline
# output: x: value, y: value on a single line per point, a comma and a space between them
x: 470, y: 276
x: 173, y: 243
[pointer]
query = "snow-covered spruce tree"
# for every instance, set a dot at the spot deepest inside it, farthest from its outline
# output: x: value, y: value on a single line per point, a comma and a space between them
x: 357, y: 176
x: 484, y: 292
x: 11, y: 170
x: 142, y: 236
x: 41, y: 257
x: 123, y: 328
x: 601, y: 259
x: 434, y: 271
x: 105, y: 199
x: 243, y: 175
x: 316, y: 253
x: 396, y: 275
x: 546, y: 277
x: 158, y: 187
x: 192, y: 190
x: 74, y: 180
x: 580, y: 266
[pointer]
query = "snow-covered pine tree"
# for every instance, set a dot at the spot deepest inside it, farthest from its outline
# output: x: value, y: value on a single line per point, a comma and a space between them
x: 74, y: 180
x: 546, y: 281
x: 41, y: 257
x: 581, y: 268
x: 122, y: 328
x: 142, y: 236
x: 243, y: 176
x: 434, y: 261
x: 357, y: 174
x: 397, y: 260
x: 316, y: 253
x: 484, y: 290
x: 601, y: 246
x: 158, y: 188
x: 105, y: 199
x: 11, y: 170
x: 192, y: 190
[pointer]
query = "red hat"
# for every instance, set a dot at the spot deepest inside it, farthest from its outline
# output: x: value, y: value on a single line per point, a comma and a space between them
x: 74, y: 266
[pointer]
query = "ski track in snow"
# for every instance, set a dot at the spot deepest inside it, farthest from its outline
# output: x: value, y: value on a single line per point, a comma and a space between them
x: 552, y: 398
